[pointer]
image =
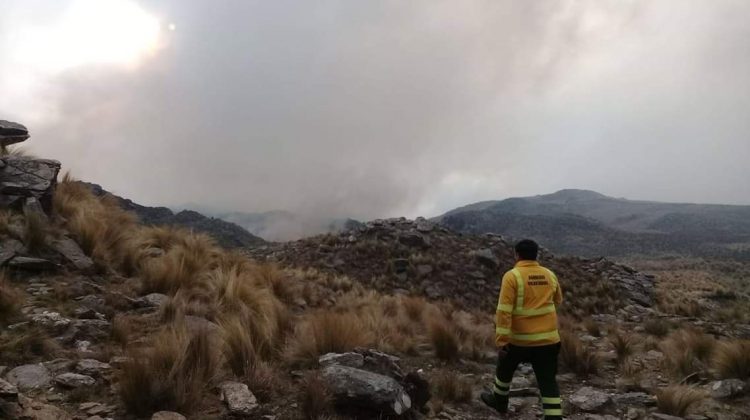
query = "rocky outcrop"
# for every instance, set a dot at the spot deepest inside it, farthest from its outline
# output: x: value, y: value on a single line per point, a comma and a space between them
x: 12, y: 132
x: 24, y: 177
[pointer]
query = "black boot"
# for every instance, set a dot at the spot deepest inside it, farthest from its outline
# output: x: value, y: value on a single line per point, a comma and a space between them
x: 491, y: 400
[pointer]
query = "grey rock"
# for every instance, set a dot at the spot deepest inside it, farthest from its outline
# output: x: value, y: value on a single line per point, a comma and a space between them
x: 487, y: 258
x: 8, y: 249
x: 634, y: 399
x: 425, y: 226
x: 32, y: 264
x: 589, y: 399
x: 350, y: 359
x: 74, y: 380
x: 727, y: 388
x: 51, y: 320
x: 12, y: 132
x: 414, y: 239
x: 238, y: 398
x: 356, y: 388
x: 424, y: 269
x: 154, y: 300
x: 7, y: 389
x: 69, y: 249
x: 59, y: 365
x: 92, y: 367
x: 29, y: 377
x: 36, y: 410
x: 167, y: 415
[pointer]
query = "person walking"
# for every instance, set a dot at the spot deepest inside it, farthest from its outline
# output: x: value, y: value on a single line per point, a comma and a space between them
x: 526, y: 330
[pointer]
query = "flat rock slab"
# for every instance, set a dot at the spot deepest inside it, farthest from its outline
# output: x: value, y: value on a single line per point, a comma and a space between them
x: 28, y: 377
x: 92, y: 367
x: 360, y: 389
x: 12, y: 132
x: 350, y: 359
x: 589, y: 399
x: 32, y: 264
x: 74, y: 380
x: 69, y: 249
x: 238, y: 398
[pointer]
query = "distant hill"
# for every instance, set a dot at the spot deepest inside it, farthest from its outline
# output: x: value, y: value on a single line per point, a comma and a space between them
x: 279, y: 225
x: 227, y: 234
x: 589, y: 223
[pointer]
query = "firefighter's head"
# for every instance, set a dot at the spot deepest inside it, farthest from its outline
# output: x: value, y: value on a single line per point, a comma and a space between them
x: 526, y: 250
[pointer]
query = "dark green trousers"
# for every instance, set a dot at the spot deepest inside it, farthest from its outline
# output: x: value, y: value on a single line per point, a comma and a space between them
x: 544, y: 361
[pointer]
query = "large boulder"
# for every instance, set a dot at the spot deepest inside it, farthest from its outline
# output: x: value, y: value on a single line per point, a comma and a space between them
x: 12, y: 132
x: 23, y: 177
x: 354, y: 388
x: 28, y: 377
x: 589, y: 399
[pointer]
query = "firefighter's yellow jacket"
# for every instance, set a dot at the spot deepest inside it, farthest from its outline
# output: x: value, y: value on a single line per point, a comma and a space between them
x: 526, y: 311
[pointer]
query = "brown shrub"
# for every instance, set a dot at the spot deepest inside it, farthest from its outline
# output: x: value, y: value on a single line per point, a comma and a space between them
x: 277, y: 281
x: 172, y: 374
x: 121, y: 329
x: 732, y: 359
x: 315, y: 400
x: 451, y: 387
x: 675, y: 400
x: 326, y: 332
x: 577, y: 357
x: 443, y: 339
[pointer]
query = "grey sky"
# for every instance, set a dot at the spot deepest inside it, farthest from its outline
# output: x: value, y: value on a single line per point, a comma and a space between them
x: 384, y: 108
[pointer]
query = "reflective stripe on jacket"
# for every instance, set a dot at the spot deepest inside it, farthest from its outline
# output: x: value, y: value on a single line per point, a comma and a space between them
x: 526, y: 311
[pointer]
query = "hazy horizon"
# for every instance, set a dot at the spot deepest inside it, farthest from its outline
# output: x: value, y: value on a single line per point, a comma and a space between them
x: 381, y: 109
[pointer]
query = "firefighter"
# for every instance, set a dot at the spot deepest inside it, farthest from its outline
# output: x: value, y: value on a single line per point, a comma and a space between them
x: 526, y: 330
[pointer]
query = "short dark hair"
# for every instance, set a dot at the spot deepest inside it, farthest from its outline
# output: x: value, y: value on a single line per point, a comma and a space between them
x: 527, y: 249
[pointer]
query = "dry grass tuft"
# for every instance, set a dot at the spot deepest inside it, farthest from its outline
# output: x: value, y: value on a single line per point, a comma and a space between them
x: 687, y: 352
x: 35, y: 232
x: 172, y: 374
x: 732, y: 360
x: 576, y: 356
x: 675, y: 400
x: 622, y: 344
x: 315, y: 399
x: 239, y: 350
x: 326, y: 332
x: 657, y: 327
x: 443, y: 339
x: 413, y: 307
x: 592, y: 327
x: 451, y: 387
x: 9, y: 300
x: 27, y: 345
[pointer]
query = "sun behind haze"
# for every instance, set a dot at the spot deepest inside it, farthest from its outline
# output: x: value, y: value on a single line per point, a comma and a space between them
x: 377, y: 109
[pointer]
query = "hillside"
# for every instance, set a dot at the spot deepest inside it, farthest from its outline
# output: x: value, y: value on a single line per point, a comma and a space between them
x: 227, y: 234
x: 587, y: 223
